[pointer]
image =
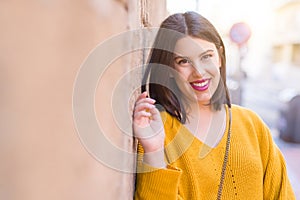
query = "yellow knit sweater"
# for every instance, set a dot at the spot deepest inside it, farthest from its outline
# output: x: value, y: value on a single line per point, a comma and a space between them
x: 255, y: 170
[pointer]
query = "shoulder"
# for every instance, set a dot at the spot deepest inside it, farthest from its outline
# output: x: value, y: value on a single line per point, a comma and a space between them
x: 248, y: 122
x: 245, y: 114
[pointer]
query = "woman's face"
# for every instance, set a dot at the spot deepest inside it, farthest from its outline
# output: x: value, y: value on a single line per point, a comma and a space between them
x: 198, y: 63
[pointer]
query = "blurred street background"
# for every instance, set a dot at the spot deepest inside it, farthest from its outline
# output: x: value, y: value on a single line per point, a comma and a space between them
x: 43, y: 44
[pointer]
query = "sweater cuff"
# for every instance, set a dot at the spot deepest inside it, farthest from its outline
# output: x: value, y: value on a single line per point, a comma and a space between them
x: 158, y: 183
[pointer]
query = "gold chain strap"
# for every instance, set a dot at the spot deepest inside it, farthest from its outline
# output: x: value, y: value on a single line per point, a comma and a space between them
x: 225, y: 161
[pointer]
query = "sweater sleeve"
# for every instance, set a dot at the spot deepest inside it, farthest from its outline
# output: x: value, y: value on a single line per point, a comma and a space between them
x: 158, y: 184
x: 154, y: 183
x: 276, y: 182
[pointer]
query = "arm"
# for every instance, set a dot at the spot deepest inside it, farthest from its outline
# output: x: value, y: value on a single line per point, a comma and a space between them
x: 155, y: 179
x: 276, y: 183
x: 154, y: 183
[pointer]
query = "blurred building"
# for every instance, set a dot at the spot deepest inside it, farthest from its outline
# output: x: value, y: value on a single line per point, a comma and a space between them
x: 286, y: 42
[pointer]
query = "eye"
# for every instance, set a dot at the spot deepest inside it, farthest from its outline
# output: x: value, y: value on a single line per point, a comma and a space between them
x: 206, y: 56
x: 182, y: 61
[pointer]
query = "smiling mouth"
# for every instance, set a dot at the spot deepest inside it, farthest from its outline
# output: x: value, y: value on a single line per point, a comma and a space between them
x: 200, y: 85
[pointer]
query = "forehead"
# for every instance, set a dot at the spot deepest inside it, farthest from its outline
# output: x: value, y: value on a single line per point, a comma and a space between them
x: 192, y: 46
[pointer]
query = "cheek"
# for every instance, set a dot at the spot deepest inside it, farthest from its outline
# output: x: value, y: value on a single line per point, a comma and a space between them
x: 213, y: 69
x: 181, y: 78
x: 216, y: 61
x: 182, y: 74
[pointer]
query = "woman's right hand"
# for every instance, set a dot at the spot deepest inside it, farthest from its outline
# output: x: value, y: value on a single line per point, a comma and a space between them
x: 148, y: 128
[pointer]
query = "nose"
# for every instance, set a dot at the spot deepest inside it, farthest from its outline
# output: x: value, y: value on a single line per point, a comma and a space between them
x: 198, y: 68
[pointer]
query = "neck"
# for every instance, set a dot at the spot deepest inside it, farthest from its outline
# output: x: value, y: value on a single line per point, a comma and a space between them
x: 206, y: 123
x: 198, y: 108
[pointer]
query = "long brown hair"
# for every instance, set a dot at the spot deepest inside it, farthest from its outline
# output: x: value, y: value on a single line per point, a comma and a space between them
x: 161, y: 85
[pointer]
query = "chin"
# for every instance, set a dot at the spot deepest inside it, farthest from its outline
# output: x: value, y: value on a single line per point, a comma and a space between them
x: 204, y: 98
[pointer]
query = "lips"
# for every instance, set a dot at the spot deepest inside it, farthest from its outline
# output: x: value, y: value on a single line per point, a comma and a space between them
x: 200, y: 85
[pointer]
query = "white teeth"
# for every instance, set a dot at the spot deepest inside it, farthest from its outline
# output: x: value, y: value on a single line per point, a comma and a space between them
x: 201, y: 84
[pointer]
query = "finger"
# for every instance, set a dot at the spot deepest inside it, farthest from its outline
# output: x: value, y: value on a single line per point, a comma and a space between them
x: 155, y: 114
x: 139, y: 115
x: 143, y: 106
x: 145, y: 100
x: 142, y: 96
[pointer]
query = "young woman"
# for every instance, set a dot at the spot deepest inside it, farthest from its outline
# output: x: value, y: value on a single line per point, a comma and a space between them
x: 193, y: 144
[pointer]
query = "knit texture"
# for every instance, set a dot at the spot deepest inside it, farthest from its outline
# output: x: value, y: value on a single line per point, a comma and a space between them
x: 256, y: 168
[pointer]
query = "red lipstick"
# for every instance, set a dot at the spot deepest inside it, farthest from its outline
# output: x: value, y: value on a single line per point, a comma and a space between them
x: 200, y: 85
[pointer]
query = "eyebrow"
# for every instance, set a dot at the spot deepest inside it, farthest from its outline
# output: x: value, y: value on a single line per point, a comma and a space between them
x: 201, y: 54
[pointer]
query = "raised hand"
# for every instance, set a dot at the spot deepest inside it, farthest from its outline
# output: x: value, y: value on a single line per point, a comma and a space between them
x: 149, y: 130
